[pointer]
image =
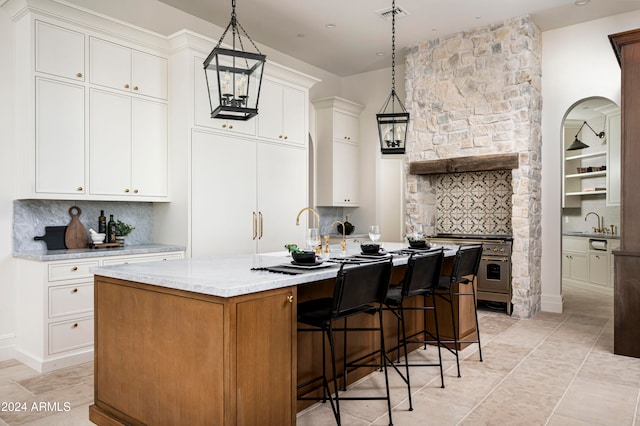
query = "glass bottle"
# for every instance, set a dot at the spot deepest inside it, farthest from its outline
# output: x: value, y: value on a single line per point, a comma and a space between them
x: 102, y: 223
x: 111, y: 230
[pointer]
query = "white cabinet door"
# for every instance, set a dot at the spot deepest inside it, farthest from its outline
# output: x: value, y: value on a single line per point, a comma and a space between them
x: 203, y: 107
x: 110, y: 64
x: 282, y: 192
x: 599, y: 268
x: 223, y: 195
x: 122, y: 68
x: 128, y: 146
x: 60, y: 149
x: 59, y: 51
x: 149, y: 148
x: 294, y: 112
x: 345, y: 174
x: 579, y: 267
x: 110, y: 143
x: 281, y: 113
x: 346, y: 127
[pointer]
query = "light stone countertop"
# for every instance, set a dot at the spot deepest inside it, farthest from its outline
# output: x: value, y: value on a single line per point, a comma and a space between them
x: 48, y: 255
x: 231, y: 275
x: 591, y: 235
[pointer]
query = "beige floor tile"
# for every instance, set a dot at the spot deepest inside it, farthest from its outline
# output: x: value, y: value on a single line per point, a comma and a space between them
x: 599, y: 402
x: 58, y: 379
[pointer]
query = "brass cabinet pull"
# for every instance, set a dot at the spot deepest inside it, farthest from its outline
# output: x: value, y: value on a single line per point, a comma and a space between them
x: 79, y: 75
x: 290, y: 298
x: 135, y: 88
x: 255, y: 226
x: 280, y: 137
x: 135, y: 191
x: 231, y: 126
x: 126, y: 86
x: 75, y: 290
x: 75, y: 268
x: 75, y: 325
x: 126, y: 190
x: 261, y: 224
x: 79, y: 188
x: 286, y: 137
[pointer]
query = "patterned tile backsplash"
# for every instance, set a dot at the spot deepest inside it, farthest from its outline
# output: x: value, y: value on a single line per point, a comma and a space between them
x: 476, y: 203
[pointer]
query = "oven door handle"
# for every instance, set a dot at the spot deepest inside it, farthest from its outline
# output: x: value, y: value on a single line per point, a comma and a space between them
x: 495, y: 259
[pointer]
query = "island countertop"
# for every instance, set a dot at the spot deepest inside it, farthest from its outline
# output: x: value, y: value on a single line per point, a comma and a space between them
x: 234, y: 275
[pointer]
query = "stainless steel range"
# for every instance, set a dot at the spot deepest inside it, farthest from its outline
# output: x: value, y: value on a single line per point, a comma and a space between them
x: 494, y: 272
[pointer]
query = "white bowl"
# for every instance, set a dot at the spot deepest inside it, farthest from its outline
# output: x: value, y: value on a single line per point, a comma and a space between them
x: 98, y: 238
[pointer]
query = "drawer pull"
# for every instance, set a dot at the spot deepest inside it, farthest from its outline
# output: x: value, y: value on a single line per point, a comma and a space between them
x: 75, y: 325
x: 75, y: 268
x: 75, y: 290
x: 126, y: 86
x: 79, y: 75
x: 290, y: 298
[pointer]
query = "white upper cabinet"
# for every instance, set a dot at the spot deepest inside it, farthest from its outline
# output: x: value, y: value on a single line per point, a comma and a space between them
x: 59, y: 51
x: 282, y: 112
x: 60, y: 152
x: 346, y: 127
x: 128, y: 146
x: 203, y: 107
x: 130, y: 70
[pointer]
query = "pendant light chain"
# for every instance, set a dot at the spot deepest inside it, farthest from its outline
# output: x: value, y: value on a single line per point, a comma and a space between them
x: 393, y: 46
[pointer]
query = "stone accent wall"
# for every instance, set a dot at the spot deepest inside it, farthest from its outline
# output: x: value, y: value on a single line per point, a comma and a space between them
x: 476, y: 93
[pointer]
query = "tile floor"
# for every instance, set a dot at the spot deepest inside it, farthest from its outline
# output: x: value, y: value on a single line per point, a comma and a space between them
x: 554, y: 369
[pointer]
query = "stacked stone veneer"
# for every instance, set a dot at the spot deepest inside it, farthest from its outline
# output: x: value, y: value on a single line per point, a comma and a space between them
x: 477, y: 93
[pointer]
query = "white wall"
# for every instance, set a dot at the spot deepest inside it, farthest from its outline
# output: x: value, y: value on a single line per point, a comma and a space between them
x: 7, y: 177
x: 577, y: 62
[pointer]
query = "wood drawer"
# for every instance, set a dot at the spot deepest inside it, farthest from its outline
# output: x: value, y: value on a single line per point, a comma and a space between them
x: 71, y: 270
x: 70, y: 299
x: 138, y: 259
x: 68, y: 335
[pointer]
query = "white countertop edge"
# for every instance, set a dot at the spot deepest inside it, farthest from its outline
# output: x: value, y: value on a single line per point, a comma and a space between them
x: 48, y: 255
x: 227, y: 275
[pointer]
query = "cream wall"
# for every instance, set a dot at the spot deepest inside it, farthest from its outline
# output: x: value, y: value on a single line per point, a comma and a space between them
x: 577, y: 62
x: 7, y: 177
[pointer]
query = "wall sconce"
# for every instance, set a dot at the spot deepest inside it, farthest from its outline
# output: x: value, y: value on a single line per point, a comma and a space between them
x: 578, y: 144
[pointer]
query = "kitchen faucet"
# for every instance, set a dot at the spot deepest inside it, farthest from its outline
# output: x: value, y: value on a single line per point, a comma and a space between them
x: 599, y: 228
x: 311, y: 209
x: 343, y: 243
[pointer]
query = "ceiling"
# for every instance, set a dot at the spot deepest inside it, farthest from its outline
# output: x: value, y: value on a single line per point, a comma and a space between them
x: 299, y: 27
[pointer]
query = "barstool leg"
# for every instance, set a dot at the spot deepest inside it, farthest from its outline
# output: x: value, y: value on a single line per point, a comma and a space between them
x: 455, y: 334
x: 336, y: 407
x: 435, y: 316
x: 384, y: 354
x: 344, y: 356
x: 475, y: 310
x: 406, y: 353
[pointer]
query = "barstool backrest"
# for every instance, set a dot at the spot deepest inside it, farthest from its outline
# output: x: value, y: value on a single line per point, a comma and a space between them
x: 466, y: 262
x: 358, y: 286
x: 423, y: 272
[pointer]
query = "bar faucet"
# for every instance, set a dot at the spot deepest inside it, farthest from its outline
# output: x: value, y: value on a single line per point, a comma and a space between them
x: 343, y: 243
x: 599, y: 228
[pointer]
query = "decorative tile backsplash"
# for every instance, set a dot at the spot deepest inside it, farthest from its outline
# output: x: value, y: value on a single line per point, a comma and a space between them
x: 474, y: 203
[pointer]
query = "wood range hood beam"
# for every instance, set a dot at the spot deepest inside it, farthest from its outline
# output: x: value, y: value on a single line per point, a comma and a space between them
x: 476, y: 163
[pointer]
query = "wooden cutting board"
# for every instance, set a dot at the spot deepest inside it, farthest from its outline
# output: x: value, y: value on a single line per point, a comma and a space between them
x: 76, y: 235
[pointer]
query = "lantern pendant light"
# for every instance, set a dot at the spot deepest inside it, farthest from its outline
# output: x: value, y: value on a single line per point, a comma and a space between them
x: 234, y: 76
x: 393, y: 122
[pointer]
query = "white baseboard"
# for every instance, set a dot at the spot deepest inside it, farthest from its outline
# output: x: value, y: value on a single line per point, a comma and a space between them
x: 551, y: 303
x: 45, y: 366
x: 7, y: 347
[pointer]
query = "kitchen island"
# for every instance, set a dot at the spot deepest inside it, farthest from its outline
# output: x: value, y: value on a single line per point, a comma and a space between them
x: 206, y: 341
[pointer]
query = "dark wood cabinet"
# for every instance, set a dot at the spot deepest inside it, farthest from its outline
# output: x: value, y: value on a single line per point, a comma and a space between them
x: 627, y: 259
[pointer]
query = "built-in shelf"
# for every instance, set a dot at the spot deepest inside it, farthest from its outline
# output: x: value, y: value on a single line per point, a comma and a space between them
x: 590, y: 155
x: 587, y: 192
x: 587, y: 174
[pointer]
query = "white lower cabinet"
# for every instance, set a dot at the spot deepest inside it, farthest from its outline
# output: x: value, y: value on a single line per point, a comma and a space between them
x: 55, y: 308
x: 588, y: 266
x: 245, y: 195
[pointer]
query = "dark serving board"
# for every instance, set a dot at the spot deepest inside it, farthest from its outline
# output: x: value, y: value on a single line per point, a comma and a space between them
x: 53, y: 237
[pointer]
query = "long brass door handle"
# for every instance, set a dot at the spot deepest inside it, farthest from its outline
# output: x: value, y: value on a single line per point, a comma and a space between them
x: 261, y: 224
x: 255, y: 225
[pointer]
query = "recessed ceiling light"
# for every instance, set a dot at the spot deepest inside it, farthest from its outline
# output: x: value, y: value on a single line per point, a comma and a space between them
x: 581, y: 2
x: 300, y: 35
x: 330, y: 26
x: 478, y: 17
x: 379, y: 53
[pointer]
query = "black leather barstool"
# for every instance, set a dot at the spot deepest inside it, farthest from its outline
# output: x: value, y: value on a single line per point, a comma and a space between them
x: 420, y: 279
x: 463, y: 273
x: 358, y: 289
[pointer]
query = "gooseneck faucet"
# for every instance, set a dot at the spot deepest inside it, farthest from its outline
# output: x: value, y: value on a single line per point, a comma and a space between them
x: 343, y: 243
x: 312, y: 210
x: 599, y: 228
